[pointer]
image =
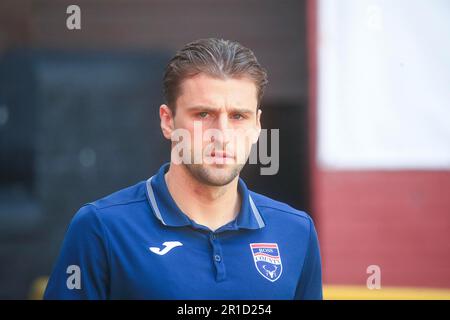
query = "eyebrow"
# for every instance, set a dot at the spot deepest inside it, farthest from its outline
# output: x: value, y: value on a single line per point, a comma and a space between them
x: 211, y: 109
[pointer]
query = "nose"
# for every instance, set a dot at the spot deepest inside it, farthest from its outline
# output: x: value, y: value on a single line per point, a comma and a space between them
x: 224, y: 128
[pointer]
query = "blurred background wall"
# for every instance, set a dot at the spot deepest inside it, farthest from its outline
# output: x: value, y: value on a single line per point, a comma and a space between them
x: 381, y: 151
x: 79, y: 108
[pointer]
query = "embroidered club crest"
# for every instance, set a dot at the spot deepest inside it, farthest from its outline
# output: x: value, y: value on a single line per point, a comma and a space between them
x: 267, y: 260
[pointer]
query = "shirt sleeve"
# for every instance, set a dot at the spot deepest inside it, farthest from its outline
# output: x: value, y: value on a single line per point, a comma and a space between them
x: 309, y: 286
x: 81, y: 270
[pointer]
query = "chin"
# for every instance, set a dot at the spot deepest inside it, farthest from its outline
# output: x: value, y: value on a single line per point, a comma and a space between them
x: 215, y: 174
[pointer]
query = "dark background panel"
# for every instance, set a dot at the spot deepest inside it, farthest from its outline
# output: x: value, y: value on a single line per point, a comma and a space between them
x: 79, y: 109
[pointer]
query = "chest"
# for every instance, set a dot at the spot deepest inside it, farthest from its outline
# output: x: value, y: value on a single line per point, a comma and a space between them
x: 186, y: 265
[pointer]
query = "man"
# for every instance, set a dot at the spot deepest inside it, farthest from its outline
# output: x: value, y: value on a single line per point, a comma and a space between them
x: 194, y: 230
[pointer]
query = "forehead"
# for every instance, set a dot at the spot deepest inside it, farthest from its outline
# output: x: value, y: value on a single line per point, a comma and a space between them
x: 202, y: 89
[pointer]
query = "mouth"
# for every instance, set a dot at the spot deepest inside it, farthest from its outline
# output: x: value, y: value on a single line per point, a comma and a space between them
x: 221, y: 154
x: 221, y: 157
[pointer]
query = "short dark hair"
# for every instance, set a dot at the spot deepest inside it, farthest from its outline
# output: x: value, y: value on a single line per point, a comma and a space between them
x: 217, y: 58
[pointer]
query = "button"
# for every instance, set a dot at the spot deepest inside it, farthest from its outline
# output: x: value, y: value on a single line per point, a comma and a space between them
x: 213, y: 236
x: 217, y: 258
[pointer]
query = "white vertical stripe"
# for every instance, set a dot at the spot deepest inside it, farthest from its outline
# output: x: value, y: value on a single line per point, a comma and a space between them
x: 151, y: 196
x: 256, y: 212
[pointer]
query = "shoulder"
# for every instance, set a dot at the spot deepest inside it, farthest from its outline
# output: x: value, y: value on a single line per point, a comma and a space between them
x: 123, y: 197
x: 281, y: 213
x: 124, y: 200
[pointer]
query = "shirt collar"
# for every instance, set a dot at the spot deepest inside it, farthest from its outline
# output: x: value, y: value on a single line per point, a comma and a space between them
x: 169, y: 214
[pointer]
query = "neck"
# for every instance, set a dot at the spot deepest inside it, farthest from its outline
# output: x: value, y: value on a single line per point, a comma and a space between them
x: 211, y: 206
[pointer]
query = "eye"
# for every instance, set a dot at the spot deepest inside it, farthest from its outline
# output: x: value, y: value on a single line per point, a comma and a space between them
x: 237, y: 116
x: 202, y: 114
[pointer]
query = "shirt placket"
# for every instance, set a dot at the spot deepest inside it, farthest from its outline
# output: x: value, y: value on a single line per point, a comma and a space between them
x: 217, y: 256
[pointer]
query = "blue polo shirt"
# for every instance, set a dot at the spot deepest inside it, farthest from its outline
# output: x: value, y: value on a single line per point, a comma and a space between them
x: 137, y: 244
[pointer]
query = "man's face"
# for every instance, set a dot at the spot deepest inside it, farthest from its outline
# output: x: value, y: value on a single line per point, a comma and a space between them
x: 223, y: 122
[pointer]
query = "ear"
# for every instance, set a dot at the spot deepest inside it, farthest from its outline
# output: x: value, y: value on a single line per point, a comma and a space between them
x: 167, y: 125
